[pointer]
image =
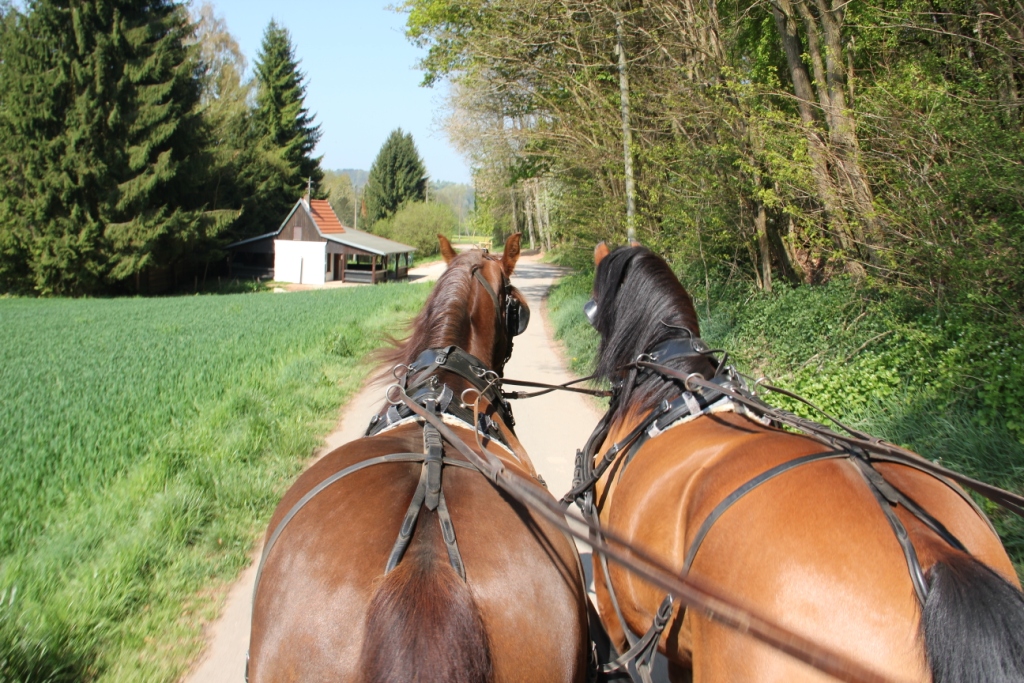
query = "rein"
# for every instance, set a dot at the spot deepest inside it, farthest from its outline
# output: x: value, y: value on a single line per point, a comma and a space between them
x: 690, y: 591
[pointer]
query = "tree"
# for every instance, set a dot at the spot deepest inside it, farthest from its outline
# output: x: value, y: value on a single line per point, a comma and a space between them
x: 281, y: 164
x: 396, y: 176
x: 342, y: 195
x: 102, y: 144
x: 225, y: 107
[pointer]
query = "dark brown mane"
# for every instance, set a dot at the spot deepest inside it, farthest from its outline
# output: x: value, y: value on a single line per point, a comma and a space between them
x: 445, y: 318
x: 640, y: 305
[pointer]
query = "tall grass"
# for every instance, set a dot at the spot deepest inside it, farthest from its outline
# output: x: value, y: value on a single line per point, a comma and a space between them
x: 935, y: 385
x: 143, y: 444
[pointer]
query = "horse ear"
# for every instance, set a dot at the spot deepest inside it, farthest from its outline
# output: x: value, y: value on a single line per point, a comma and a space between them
x: 446, y: 249
x: 511, y: 254
x: 600, y: 251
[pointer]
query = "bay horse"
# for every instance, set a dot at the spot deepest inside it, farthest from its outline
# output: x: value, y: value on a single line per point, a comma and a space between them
x: 400, y: 570
x: 798, y: 533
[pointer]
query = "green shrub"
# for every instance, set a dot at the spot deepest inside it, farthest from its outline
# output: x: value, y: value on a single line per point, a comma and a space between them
x: 418, y: 224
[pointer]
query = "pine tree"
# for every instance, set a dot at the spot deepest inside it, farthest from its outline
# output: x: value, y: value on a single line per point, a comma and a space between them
x: 397, y: 176
x: 281, y: 164
x: 103, y: 148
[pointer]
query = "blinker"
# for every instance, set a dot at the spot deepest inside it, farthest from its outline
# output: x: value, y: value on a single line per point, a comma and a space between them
x: 590, y: 310
x: 517, y: 318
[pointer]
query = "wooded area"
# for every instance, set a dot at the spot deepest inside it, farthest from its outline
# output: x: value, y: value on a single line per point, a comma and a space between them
x: 131, y: 142
x: 789, y: 139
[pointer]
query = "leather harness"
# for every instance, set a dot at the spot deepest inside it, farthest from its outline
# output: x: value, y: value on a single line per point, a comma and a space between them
x: 699, y: 397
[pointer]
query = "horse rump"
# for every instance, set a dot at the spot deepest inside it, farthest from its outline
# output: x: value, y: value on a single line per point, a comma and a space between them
x: 973, y: 624
x: 422, y: 625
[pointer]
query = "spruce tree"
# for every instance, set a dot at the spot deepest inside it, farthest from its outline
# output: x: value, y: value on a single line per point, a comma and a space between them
x: 281, y: 164
x: 396, y: 176
x: 103, y: 148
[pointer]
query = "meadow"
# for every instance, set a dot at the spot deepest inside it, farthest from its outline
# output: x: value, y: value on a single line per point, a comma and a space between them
x: 143, y: 445
x: 944, y: 384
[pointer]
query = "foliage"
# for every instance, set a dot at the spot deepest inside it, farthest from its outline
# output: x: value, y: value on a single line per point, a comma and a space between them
x: 342, y: 196
x: 418, y: 224
x: 396, y: 176
x: 102, y: 145
x: 780, y: 140
x: 948, y: 386
x: 146, y: 442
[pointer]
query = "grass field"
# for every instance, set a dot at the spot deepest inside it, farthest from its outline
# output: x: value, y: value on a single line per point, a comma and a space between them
x: 143, y: 444
x: 942, y: 387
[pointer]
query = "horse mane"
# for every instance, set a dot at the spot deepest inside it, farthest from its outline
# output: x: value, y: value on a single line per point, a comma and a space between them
x: 445, y: 318
x: 640, y: 305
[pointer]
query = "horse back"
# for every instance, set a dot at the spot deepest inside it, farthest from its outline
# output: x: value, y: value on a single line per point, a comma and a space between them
x: 324, y: 592
x: 810, y: 548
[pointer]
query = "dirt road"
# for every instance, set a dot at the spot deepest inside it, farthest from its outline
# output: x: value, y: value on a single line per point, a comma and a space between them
x: 550, y: 427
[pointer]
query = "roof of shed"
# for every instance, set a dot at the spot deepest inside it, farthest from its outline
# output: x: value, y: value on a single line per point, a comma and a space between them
x: 325, y: 218
x: 375, y: 244
x: 331, y: 229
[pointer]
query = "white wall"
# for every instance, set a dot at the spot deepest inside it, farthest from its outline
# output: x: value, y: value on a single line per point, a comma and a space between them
x: 301, y: 262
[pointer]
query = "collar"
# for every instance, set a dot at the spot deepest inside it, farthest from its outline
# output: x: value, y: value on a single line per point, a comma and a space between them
x: 420, y: 380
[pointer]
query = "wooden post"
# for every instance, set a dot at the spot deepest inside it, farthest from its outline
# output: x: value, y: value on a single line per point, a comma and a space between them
x: 344, y: 262
x: 373, y: 269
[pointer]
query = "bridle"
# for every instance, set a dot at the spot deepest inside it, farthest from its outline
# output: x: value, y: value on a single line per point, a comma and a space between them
x: 514, y: 317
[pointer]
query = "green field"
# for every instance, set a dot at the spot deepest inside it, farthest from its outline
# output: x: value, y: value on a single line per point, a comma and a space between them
x: 947, y: 386
x: 143, y: 444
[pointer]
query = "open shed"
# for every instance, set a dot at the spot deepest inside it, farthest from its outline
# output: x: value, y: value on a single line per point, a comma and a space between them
x: 313, y: 247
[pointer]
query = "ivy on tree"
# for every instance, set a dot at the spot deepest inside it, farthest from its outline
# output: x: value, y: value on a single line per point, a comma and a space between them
x: 396, y: 176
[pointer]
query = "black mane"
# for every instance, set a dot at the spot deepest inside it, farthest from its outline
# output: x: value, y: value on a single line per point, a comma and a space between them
x: 640, y: 305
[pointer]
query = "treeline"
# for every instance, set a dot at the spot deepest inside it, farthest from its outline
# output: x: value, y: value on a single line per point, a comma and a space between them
x: 132, y: 141
x: 781, y: 139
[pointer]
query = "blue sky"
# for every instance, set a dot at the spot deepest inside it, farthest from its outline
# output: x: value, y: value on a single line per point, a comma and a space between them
x: 361, y: 77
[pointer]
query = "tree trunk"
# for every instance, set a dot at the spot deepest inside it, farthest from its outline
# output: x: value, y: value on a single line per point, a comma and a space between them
x: 528, y: 210
x: 627, y: 131
x: 804, y: 91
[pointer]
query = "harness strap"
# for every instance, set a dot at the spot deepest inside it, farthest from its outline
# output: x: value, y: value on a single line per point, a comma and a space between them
x: 637, y: 661
x: 313, y: 492
x: 720, y: 509
x: 885, y: 496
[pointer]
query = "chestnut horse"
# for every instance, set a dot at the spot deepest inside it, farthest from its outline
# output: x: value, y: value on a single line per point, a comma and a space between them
x: 483, y: 590
x: 811, y: 546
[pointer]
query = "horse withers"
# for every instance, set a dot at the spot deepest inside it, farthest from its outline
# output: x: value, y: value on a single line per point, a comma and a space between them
x: 394, y: 560
x: 880, y: 562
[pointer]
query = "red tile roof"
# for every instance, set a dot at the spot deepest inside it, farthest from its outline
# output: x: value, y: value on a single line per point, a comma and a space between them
x: 325, y: 217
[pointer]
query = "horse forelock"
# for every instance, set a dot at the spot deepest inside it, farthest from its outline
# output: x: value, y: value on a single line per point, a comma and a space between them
x: 641, y: 304
x: 445, y: 318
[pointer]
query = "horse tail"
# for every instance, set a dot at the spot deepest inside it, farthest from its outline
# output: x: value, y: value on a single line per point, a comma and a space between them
x: 423, y: 625
x: 973, y: 623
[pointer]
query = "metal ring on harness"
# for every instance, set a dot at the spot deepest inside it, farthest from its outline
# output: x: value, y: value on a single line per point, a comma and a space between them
x: 394, y: 371
x: 397, y: 400
x: 686, y: 382
x: 466, y: 403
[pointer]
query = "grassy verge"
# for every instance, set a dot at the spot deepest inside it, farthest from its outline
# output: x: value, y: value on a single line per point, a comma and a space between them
x: 144, y: 443
x: 947, y: 386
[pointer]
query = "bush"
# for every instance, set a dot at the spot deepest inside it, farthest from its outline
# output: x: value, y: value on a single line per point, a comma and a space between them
x: 418, y: 225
